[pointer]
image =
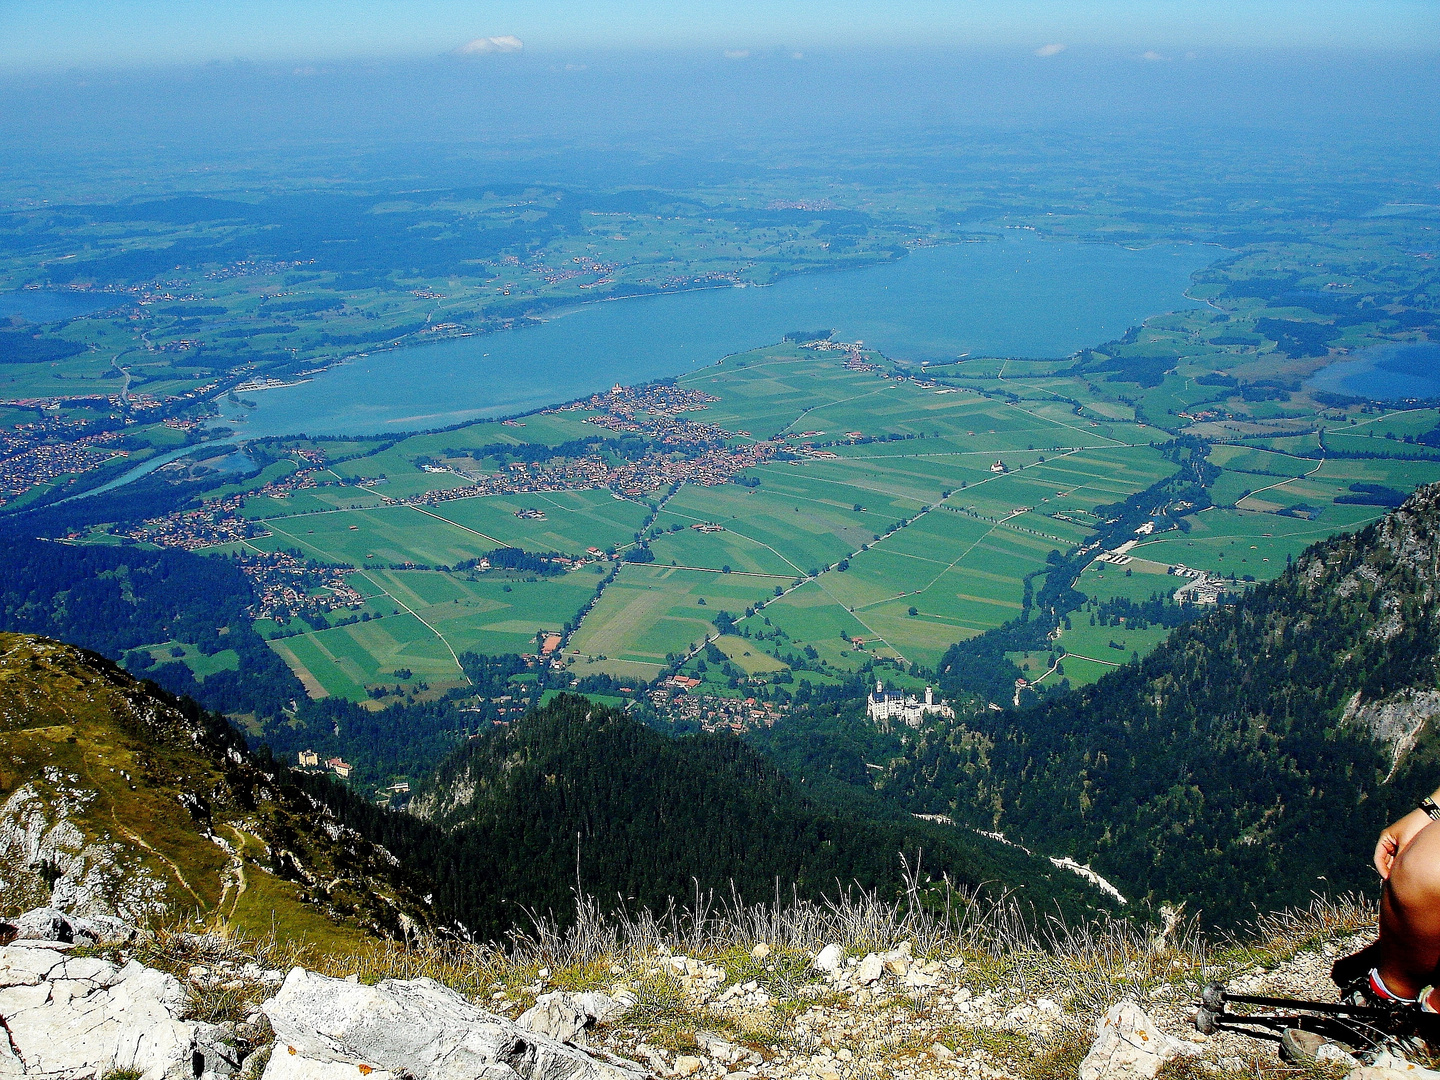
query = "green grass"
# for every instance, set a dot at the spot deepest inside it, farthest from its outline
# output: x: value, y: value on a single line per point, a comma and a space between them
x: 333, y: 496
x: 651, y: 610
x: 376, y: 537
x: 194, y: 659
x: 574, y: 520
x: 422, y: 616
x: 1226, y: 541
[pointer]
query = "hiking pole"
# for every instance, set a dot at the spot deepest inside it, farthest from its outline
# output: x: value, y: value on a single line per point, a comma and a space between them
x: 1369, y: 1022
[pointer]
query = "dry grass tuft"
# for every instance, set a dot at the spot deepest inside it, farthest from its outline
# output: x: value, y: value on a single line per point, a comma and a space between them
x: 1085, y: 967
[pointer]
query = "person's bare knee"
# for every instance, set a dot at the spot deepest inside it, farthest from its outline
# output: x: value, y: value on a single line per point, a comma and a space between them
x: 1410, y: 916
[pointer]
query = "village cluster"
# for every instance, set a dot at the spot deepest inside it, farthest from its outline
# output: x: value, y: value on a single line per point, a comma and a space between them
x: 711, y: 712
x: 32, y: 455
x: 286, y: 584
x: 654, y: 411
x: 653, y: 472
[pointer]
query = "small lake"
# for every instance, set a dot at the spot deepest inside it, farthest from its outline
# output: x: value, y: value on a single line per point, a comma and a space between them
x: 1390, y: 372
x: 52, y: 305
x: 1016, y: 296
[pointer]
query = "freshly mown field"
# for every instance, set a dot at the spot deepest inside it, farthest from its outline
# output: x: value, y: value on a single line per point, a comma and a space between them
x: 650, y: 611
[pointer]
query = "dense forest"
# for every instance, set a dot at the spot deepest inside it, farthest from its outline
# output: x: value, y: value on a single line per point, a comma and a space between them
x: 576, y: 793
x: 1238, y: 766
x: 115, y: 599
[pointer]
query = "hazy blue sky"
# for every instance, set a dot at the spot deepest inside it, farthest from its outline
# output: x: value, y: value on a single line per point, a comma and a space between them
x: 50, y: 35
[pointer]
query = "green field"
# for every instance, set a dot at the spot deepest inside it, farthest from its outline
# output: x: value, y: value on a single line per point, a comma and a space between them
x: 421, y: 620
x: 649, y: 611
x: 574, y: 520
x: 904, y: 518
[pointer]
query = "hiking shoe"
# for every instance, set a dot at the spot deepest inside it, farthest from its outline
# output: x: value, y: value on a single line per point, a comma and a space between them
x: 1352, y: 974
x: 1300, y: 1047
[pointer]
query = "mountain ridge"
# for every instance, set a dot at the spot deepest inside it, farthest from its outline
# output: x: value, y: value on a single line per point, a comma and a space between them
x: 119, y: 799
x: 1247, y: 762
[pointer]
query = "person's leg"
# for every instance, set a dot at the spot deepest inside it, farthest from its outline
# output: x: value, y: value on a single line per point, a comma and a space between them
x: 1410, y: 916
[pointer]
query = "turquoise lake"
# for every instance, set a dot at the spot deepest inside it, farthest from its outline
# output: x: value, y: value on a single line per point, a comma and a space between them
x: 1017, y: 296
x: 1391, y: 372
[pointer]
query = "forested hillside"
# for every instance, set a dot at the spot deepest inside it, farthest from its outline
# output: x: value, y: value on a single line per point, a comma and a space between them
x: 578, y: 792
x: 114, y: 599
x: 1250, y: 760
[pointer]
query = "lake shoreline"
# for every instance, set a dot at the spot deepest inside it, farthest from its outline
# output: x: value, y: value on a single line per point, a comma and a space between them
x: 1015, y: 295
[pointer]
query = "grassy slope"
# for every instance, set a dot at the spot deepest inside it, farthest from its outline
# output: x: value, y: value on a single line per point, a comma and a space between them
x: 71, y: 722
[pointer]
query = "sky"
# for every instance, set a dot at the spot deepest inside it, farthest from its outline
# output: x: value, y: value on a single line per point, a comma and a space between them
x: 51, y: 36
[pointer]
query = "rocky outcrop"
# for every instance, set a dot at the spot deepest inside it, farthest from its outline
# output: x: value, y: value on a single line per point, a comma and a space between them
x: 1129, y: 1044
x: 73, y: 1017
x: 417, y: 1028
x: 1396, y: 721
x: 48, y: 856
x: 52, y: 924
x: 566, y: 1017
x: 116, y: 799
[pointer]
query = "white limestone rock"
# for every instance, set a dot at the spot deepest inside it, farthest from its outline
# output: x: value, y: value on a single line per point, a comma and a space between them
x: 897, y: 961
x: 1388, y: 1066
x: 829, y: 959
x: 1129, y: 1044
x: 416, y: 1027
x: 97, y: 875
x: 78, y: 1016
x: 870, y: 970
x: 566, y: 1017
x: 52, y: 924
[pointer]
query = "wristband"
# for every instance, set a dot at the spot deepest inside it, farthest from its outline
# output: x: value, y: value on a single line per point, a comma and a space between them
x: 1431, y: 810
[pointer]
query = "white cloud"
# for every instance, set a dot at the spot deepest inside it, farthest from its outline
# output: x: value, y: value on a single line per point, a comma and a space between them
x: 505, y: 43
x: 1152, y: 56
x: 737, y: 54
x: 1050, y: 50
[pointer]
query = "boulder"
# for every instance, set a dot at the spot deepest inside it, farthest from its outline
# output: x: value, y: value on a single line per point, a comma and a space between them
x: 1129, y: 1044
x: 1388, y: 1066
x: 870, y: 970
x: 52, y: 924
x: 566, y: 1017
x: 79, y: 1016
x: 897, y: 961
x: 328, y: 1027
x: 829, y: 959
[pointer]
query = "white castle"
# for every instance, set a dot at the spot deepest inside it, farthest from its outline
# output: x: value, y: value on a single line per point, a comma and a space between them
x: 884, y: 706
